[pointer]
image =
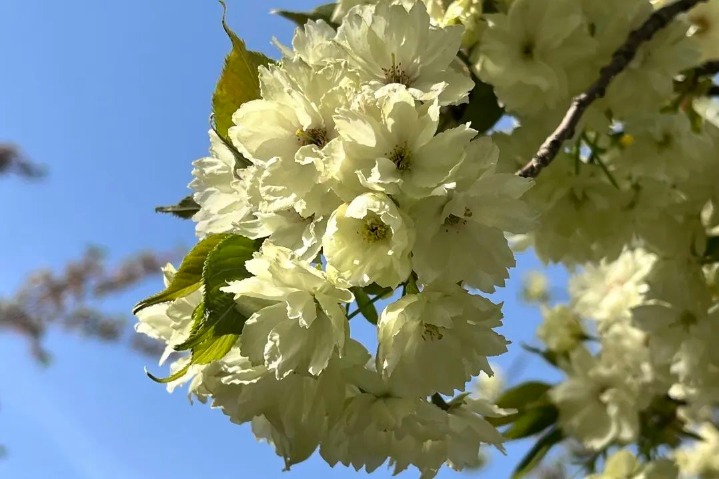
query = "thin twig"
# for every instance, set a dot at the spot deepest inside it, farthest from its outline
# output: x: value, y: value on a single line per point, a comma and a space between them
x: 620, y: 59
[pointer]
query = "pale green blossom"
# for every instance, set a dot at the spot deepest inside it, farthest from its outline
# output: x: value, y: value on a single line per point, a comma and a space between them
x: 302, y: 324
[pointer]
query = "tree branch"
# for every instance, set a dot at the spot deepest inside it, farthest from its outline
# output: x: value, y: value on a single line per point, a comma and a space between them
x: 72, y: 300
x: 713, y: 90
x: 620, y: 59
x: 12, y: 161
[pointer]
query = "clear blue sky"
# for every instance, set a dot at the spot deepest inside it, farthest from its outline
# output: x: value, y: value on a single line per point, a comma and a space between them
x: 113, y: 96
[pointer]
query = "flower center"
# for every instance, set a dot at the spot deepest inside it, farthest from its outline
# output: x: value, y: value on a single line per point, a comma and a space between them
x: 431, y: 333
x: 312, y: 136
x: 374, y: 229
x: 687, y: 321
x: 396, y: 74
x: 528, y: 50
x: 454, y: 220
x: 400, y: 156
x: 457, y: 221
x: 666, y: 140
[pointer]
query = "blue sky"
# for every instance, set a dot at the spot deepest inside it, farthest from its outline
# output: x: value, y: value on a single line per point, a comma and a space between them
x: 113, y: 97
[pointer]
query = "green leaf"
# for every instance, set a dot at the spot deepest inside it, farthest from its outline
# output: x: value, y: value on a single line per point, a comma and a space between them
x: 240, y: 161
x: 187, y: 279
x: 213, y: 348
x: 365, y: 305
x: 483, y: 109
x: 173, y: 377
x: 217, y: 322
x: 185, y: 209
x: 220, y: 316
x: 550, y: 356
x: 376, y: 290
x: 537, y: 452
x: 524, y: 395
x: 532, y: 421
x: 411, y: 284
x: 502, y: 420
x: 323, y: 12
x: 238, y: 83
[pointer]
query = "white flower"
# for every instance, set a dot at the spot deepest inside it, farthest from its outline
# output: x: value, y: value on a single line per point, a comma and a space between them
x: 608, y: 291
x: 583, y: 216
x: 291, y: 230
x: 611, y: 21
x: 302, y: 325
x: 624, y: 465
x: 288, y: 135
x: 221, y: 194
x: 171, y: 323
x: 528, y: 59
x: 467, y: 431
x: 313, y: 44
x: 435, y: 8
x: 701, y: 459
x: 535, y: 287
x: 344, y: 6
x: 595, y: 406
x: 664, y: 147
x: 467, y: 13
x: 293, y: 413
x: 389, y: 145
x: 295, y: 110
x: 369, y: 240
x: 389, y: 43
x: 560, y: 330
x: 648, y: 79
x: 436, y: 340
x: 377, y: 424
x: 462, y: 235
x: 671, y: 315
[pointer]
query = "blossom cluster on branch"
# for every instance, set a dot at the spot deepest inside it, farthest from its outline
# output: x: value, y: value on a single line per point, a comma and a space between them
x: 370, y: 164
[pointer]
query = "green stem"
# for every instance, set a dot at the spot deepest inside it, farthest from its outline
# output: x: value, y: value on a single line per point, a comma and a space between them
x: 612, y: 180
x: 595, y: 157
x: 371, y: 302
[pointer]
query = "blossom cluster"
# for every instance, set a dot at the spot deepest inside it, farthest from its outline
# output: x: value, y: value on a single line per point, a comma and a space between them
x: 361, y: 181
x: 629, y: 205
x: 354, y: 185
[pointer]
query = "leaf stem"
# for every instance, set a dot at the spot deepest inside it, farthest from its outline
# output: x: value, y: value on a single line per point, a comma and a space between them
x: 358, y: 311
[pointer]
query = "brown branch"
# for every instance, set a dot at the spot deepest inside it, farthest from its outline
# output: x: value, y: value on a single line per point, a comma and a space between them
x: 13, y: 161
x: 620, y: 59
x: 71, y: 300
